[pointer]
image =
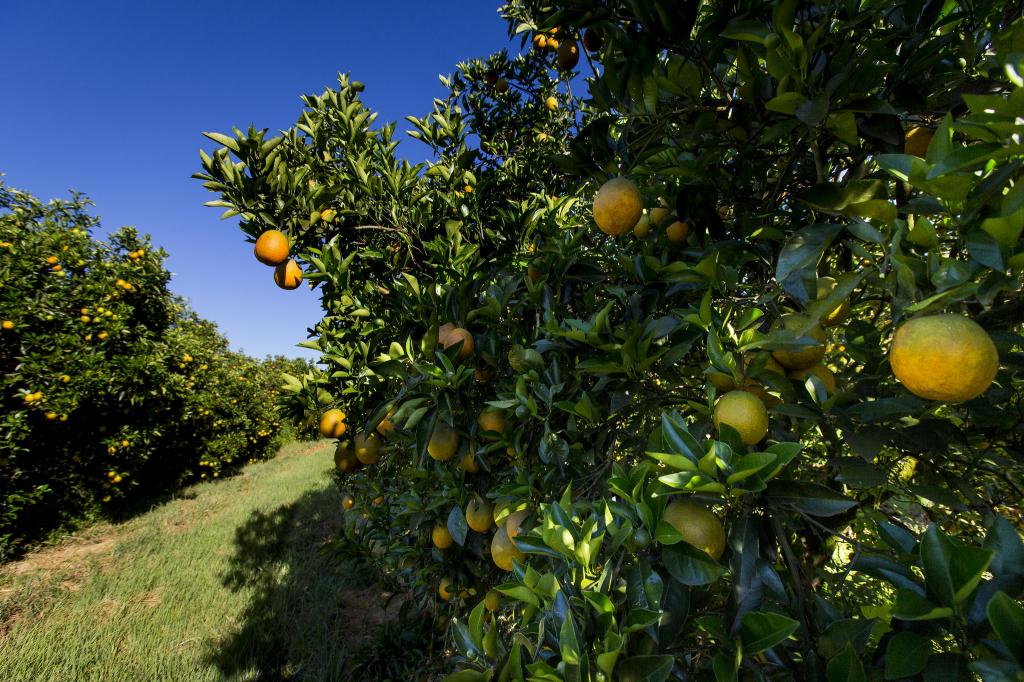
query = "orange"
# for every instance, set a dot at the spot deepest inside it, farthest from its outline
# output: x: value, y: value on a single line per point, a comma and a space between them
x: 514, y: 522
x: 347, y: 502
x: 744, y: 412
x: 677, y: 231
x: 332, y: 423
x: 288, y: 275
x: 272, y: 247
x: 698, y: 525
x: 443, y: 331
x: 492, y: 600
x: 825, y: 286
x: 458, y: 334
x: 944, y: 357
x: 492, y: 421
x: 551, y: 104
x: 468, y: 462
x: 501, y: 86
x: 568, y: 55
x: 593, y: 39
x: 443, y: 443
x: 345, y: 459
x: 617, y: 206
x: 441, y: 538
x: 478, y: 515
x: 917, y: 141
x: 367, y: 448
x: 504, y: 551
x: 807, y: 356
x: 540, y: 42
x: 443, y: 591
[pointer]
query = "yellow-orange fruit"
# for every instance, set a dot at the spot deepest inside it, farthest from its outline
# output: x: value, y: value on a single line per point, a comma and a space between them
x: 271, y: 247
x: 698, y: 525
x: 807, y: 356
x: 944, y: 357
x: 503, y: 550
x: 455, y: 336
x: 288, y: 275
x: 617, y: 206
x: 568, y: 55
x: 441, y: 538
x: 677, y: 231
x: 332, y: 423
x: 917, y: 141
x: 443, y: 443
x: 367, y: 448
x: 492, y: 420
x: 744, y: 412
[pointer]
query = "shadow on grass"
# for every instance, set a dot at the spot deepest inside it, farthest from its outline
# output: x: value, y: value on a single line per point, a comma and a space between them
x: 296, y: 622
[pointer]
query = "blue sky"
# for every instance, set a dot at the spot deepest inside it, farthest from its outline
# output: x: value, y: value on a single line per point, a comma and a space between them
x: 110, y: 98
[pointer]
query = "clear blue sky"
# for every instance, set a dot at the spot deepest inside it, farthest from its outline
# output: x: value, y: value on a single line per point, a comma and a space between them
x: 110, y: 98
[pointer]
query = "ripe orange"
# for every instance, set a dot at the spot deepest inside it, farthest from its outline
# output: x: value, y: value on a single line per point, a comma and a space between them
x: 468, y: 462
x: 367, y: 448
x: 441, y: 538
x: 443, y: 443
x: 944, y: 357
x: 808, y: 355
x: 442, y: 589
x: 459, y: 335
x: 642, y: 228
x: 443, y: 332
x: 744, y: 412
x: 568, y: 55
x: 698, y: 525
x: 492, y: 600
x: 271, y: 247
x: 345, y: 459
x: 492, y: 421
x: 917, y: 141
x: 540, y: 42
x: 617, y: 206
x: 503, y: 550
x: 514, y: 522
x: 7, y: 324
x: 551, y: 103
x: 288, y: 275
x: 347, y: 502
x: 825, y: 286
x: 478, y: 515
x: 332, y: 423
x: 677, y: 231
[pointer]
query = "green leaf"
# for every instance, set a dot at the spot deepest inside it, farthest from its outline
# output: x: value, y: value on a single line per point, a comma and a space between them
x: 804, y: 248
x: 468, y: 676
x: 520, y: 593
x: 809, y: 498
x: 906, y: 655
x: 689, y: 565
x: 638, y: 619
x: 966, y: 158
x: 952, y: 568
x: 645, y: 668
x: 1007, y: 619
x: 909, y: 605
x: 457, y: 525
x: 786, y: 103
x: 845, y: 667
x: 761, y: 630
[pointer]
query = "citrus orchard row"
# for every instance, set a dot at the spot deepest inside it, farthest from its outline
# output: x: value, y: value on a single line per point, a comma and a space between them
x: 734, y: 335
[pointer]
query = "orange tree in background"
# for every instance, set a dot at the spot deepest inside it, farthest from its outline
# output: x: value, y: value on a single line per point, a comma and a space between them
x: 616, y: 372
x: 112, y: 390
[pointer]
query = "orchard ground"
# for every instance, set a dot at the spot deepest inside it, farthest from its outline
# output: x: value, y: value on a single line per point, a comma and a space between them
x: 226, y: 581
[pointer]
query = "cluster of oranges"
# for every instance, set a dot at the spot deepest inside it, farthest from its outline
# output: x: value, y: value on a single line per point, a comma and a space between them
x: 272, y: 248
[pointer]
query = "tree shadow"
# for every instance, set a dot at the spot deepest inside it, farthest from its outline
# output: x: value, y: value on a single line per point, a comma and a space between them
x: 302, y: 607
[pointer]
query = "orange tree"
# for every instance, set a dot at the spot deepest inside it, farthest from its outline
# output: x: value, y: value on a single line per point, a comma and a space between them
x: 112, y: 390
x: 618, y: 371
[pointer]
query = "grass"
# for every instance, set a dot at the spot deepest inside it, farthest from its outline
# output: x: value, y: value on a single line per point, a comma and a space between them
x: 223, y: 582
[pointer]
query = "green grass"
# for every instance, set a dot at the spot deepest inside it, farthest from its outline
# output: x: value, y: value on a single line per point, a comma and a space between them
x: 223, y: 582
